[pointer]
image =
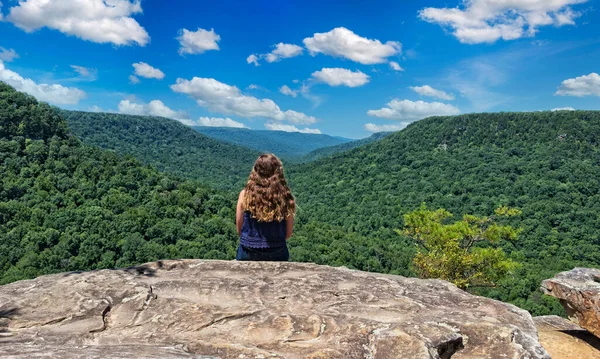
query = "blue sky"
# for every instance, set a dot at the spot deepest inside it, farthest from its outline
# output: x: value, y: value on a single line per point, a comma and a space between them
x: 349, y: 68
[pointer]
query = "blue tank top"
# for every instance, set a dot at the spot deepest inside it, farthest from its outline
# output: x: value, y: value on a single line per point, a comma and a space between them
x: 256, y: 234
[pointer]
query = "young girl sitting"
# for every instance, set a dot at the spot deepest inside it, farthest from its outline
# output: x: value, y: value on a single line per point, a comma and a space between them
x: 265, y: 213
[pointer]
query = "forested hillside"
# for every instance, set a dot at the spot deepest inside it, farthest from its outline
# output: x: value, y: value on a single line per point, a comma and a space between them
x: 547, y: 164
x: 287, y: 145
x: 66, y: 206
x: 165, y: 144
x: 331, y: 150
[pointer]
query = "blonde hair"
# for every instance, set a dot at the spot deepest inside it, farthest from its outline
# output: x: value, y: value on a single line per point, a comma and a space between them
x: 267, y: 195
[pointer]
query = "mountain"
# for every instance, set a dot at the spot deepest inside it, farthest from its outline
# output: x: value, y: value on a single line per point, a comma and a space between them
x: 65, y: 206
x: 287, y: 145
x: 165, y: 144
x: 331, y: 150
x: 547, y: 164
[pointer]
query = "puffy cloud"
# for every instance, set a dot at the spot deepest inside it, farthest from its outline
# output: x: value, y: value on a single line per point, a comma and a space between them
x: 102, y: 21
x: 396, y: 66
x: 371, y: 127
x: 281, y: 51
x: 588, y: 85
x: 227, y: 99
x: 214, y: 122
x: 252, y: 59
x: 288, y: 91
x: 54, y: 94
x: 197, y: 42
x: 7, y: 55
x: 563, y: 109
x: 134, y: 79
x: 95, y: 109
x: 341, y: 42
x: 153, y: 108
x: 144, y: 70
x: 480, y: 21
x: 431, y: 92
x: 290, y: 128
x: 413, y: 110
x: 341, y: 77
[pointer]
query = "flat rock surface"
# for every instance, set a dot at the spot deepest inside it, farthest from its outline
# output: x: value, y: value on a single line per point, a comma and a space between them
x: 228, y: 309
x: 579, y: 292
x: 566, y: 340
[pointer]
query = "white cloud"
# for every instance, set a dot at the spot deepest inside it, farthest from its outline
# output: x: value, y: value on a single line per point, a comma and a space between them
x: 85, y: 73
x: 396, y: 66
x: 197, y: 42
x: 371, y: 127
x: 406, y: 110
x: 341, y: 42
x: 480, y: 21
x: 281, y: 51
x: 153, y: 108
x: 214, y: 122
x: 289, y: 128
x: 341, y: 77
x: 254, y: 87
x: 134, y: 79
x: 288, y: 91
x: 252, y: 59
x: 95, y: 109
x: 431, y: 92
x: 7, y: 55
x: 588, y: 85
x: 54, y: 94
x: 227, y: 99
x: 563, y: 109
x: 144, y: 70
x: 101, y: 21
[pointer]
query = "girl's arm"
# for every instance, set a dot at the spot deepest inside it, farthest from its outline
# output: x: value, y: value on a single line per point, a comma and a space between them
x: 239, y: 213
x: 289, y: 227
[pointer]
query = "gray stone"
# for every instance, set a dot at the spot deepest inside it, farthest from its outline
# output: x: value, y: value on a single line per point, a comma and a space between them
x: 228, y: 309
x: 579, y: 292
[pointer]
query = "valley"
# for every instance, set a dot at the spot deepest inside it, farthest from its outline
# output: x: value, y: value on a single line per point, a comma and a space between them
x: 67, y: 205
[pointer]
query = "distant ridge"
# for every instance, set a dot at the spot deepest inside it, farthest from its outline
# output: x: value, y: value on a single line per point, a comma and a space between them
x: 288, y: 145
x: 331, y: 150
x: 166, y: 144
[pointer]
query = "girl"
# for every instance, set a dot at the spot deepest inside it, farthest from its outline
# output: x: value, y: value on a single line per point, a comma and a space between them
x: 265, y: 213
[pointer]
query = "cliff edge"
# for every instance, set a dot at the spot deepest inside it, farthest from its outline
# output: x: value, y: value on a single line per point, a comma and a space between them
x: 228, y: 309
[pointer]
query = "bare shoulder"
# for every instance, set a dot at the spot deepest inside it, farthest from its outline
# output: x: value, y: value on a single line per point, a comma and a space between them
x: 241, y: 196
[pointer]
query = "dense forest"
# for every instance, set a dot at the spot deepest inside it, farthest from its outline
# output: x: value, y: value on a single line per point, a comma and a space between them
x: 344, y: 147
x: 65, y: 205
x: 165, y: 144
x: 290, y: 146
x: 547, y: 164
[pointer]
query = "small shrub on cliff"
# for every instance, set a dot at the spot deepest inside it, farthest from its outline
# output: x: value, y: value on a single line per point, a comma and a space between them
x: 465, y: 252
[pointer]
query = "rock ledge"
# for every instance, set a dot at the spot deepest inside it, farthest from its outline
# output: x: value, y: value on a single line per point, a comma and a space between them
x: 579, y: 292
x: 227, y: 309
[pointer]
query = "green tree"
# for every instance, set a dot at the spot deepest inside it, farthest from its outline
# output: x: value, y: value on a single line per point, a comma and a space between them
x: 465, y: 252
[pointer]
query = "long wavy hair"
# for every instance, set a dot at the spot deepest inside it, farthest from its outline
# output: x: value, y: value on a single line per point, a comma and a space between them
x: 267, y: 195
